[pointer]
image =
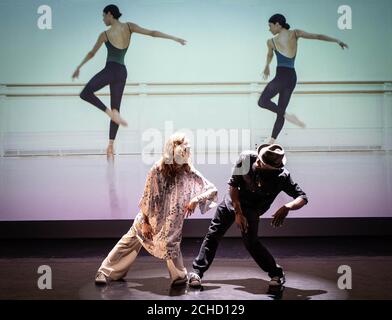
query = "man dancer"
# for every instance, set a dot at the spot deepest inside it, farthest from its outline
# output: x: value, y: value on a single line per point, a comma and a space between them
x: 258, y: 177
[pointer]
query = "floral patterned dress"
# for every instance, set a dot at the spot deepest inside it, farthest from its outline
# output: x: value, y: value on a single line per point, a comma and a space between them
x: 164, y: 202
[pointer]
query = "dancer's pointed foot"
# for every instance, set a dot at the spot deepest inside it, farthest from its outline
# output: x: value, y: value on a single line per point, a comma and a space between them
x: 110, y: 150
x: 115, y: 116
x: 269, y: 140
x: 291, y: 117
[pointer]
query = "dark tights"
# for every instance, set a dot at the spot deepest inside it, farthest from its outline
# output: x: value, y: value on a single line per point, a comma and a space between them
x: 283, y: 84
x: 114, y: 74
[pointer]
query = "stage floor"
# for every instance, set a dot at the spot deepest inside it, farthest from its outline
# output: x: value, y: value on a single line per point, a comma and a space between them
x: 311, y: 267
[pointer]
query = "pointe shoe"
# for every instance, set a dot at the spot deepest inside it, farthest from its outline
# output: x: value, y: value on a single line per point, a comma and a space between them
x: 117, y: 119
x: 110, y: 151
x: 269, y: 140
x: 294, y: 120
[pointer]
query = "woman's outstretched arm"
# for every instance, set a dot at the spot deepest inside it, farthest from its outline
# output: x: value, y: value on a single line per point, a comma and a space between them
x: 322, y: 37
x: 153, y: 33
x: 101, y: 39
x: 270, y: 55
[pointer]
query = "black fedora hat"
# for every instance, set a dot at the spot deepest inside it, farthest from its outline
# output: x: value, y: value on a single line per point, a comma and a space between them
x: 272, y: 155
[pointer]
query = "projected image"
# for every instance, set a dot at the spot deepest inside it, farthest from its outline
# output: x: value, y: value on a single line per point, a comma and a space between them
x: 91, y: 93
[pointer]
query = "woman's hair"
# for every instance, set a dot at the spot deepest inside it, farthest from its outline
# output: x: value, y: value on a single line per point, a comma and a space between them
x: 167, y: 163
x: 279, y: 18
x: 114, y: 10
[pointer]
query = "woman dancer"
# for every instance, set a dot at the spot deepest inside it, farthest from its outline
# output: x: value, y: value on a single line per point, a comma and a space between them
x: 117, y: 41
x: 285, y: 47
x: 172, y: 191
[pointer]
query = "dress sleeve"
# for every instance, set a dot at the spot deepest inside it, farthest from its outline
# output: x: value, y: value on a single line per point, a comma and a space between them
x: 205, y: 192
x: 149, y: 202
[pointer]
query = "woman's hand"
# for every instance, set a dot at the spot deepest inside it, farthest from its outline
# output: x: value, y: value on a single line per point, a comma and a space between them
x: 147, y: 230
x: 266, y: 73
x: 181, y: 41
x: 342, y: 44
x: 190, y: 207
x: 76, y: 74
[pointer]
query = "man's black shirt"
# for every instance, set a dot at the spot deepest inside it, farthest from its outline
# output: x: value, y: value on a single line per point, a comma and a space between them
x: 258, y: 188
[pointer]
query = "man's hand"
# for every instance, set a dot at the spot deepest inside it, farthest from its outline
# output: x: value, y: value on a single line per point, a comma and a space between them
x: 190, y: 207
x: 240, y: 219
x: 147, y: 230
x: 279, y: 216
x: 241, y: 222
